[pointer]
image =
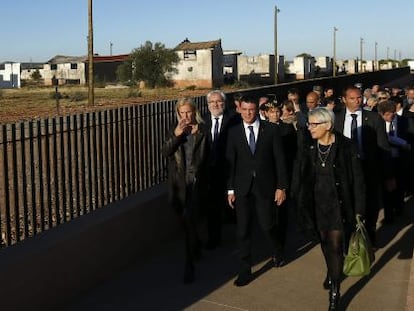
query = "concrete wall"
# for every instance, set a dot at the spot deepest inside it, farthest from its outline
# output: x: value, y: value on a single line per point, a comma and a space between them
x: 64, y: 72
x: 48, y: 271
x: 10, y: 75
x: 260, y: 64
x: 196, y: 71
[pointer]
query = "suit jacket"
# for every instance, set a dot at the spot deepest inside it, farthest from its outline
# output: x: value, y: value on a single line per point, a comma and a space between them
x: 376, y: 151
x: 289, y: 139
x: 266, y: 166
x: 218, y: 148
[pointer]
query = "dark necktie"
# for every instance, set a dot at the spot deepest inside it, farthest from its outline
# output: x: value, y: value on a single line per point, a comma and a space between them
x: 252, y: 141
x: 391, y: 132
x: 216, y: 129
x: 354, y: 132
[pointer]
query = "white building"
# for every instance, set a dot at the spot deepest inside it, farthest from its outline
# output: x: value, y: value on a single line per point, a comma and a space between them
x: 9, y: 75
x: 200, y: 65
x: 65, y: 70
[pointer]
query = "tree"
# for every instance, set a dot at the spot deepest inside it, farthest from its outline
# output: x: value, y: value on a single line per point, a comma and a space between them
x: 36, y: 76
x: 304, y: 55
x: 150, y: 63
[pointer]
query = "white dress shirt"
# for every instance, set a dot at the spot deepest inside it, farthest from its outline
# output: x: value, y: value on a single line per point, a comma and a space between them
x: 213, y: 123
x: 255, y: 125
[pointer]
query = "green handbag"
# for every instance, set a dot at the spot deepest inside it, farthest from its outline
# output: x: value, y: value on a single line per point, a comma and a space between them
x: 360, y: 255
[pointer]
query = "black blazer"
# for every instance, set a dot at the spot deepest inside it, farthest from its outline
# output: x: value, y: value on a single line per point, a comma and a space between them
x: 218, y: 148
x: 267, y: 165
x: 376, y: 151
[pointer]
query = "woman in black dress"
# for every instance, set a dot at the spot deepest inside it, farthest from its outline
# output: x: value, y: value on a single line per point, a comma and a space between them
x: 329, y: 190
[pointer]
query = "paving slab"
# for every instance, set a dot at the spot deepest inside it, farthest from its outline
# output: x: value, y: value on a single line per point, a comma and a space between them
x: 154, y: 283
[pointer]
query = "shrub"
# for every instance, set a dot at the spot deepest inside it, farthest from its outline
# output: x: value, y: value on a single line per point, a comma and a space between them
x: 77, y: 96
x: 55, y: 95
x: 191, y: 87
x: 133, y: 93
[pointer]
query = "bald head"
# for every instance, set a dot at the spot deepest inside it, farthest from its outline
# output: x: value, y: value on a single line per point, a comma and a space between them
x: 312, y: 100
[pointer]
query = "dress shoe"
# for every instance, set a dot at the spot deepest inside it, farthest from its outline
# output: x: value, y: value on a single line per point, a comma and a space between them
x: 327, y: 282
x: 278, y: 261
x: 243, y: 280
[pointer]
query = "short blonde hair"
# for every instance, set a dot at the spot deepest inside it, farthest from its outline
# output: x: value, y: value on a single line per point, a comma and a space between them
x: 190, y: 102
x: 323, y: 114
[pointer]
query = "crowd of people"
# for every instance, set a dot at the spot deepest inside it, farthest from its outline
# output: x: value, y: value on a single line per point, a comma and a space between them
x: 329, y: 157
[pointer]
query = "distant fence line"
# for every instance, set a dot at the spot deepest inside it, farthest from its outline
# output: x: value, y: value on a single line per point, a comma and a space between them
x: 55, y: 170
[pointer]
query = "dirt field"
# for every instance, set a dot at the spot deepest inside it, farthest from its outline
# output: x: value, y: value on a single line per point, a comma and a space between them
x: 33, y: 103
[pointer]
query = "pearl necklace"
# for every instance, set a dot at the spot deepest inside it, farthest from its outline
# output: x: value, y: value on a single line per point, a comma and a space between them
x: 323, y: 155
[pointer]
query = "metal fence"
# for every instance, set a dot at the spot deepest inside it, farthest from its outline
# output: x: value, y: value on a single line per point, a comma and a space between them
x: 55, y: 170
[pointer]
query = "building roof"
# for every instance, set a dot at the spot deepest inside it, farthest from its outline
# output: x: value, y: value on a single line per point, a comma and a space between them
x: 24, y: 66
x: 62, y: 59
x: 187, y: 45
x: 110, y: 58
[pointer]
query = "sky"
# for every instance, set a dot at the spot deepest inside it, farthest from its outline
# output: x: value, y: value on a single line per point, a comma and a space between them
x: 36, y: 31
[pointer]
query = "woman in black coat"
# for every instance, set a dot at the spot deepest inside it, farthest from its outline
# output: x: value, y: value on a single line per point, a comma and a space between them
x: 328, y: 189
x: 186, y: 150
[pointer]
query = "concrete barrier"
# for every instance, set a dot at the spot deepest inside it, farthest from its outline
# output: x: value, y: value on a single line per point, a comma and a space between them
x: 49, y: 270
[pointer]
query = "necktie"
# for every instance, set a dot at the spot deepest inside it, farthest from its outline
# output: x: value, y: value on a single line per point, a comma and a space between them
x: 216, y: 129
x: 252, y: 142
x: 391, y: 132
x: 354, y: 133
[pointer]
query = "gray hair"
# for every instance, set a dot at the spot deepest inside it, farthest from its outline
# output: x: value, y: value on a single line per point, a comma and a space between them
x: 219, y: 92
x: 323, y: 114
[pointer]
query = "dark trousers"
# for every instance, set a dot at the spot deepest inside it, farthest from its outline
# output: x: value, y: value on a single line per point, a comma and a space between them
x: 190, y: 223
x: 264, y: 208
x: 374, y: 200
x: 394, y: 200
x: 217, y: 200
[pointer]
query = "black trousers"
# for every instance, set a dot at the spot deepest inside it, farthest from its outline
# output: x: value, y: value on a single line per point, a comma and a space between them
x: 265, y: 210
x: 374, y: 198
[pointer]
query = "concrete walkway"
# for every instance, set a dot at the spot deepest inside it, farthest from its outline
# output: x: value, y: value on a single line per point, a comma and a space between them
x: 154, y: 283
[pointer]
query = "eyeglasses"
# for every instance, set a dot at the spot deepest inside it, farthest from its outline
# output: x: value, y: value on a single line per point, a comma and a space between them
x: 312, y: 125
x: 381, y: 98
x: 215, y: 102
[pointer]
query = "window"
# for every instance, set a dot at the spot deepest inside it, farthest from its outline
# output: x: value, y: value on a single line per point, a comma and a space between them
x: 73, y: 66
x: 2, y: 66
x: 190, y: 54
x: 53, y: 66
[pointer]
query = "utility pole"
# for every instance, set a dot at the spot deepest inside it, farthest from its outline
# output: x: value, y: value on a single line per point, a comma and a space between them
x: 361, y: 52
x: 110, y: 48
x: 90, y: 56
x: 375, y: 56
x: 388, y: 53
x: 276, y: 55
x: 334, y: 52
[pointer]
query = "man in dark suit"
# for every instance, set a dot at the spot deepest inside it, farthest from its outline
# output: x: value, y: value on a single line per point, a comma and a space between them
x: 367, y: 130
x: 217, y: 121
x: 257, y: 179
x: 400, y: 137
